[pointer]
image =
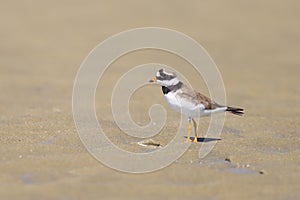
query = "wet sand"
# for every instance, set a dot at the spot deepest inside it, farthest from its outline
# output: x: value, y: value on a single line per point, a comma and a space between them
x: 254, y: 44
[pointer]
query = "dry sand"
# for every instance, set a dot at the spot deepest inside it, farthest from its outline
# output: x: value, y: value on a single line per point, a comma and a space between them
x: 256, y: 46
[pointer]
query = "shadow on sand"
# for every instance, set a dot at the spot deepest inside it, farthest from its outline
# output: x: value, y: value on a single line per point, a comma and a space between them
x: 201, y: 139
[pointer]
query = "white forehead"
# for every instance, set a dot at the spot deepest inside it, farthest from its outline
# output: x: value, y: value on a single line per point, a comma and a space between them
x: 168, y: 73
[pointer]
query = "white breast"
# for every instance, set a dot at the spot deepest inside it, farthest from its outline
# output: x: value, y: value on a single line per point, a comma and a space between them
x: 188, y: 108
x: 182, y: 105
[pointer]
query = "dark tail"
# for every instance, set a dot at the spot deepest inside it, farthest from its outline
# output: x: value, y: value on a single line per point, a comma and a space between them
x: 236, y: 111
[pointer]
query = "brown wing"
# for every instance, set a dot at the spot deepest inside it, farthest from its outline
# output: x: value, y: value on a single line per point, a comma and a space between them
x: 197, y: 98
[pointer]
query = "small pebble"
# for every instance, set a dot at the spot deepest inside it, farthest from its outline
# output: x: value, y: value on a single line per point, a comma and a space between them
x: 149, y: 143
x: 262, y: 172
x: 228, y: 159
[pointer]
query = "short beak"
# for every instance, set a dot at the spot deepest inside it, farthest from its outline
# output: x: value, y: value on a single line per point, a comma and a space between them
x: 154, y: 80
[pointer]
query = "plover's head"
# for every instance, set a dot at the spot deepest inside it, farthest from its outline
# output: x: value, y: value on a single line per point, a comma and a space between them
x: 165, y: 78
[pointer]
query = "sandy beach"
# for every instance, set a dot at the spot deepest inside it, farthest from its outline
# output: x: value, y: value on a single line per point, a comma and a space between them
x: 256, y: 47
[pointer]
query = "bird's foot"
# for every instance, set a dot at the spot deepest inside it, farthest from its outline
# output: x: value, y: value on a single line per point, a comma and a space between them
x: 195, y: 139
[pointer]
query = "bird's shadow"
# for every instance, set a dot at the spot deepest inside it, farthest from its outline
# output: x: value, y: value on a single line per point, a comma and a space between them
x: 202, y: 139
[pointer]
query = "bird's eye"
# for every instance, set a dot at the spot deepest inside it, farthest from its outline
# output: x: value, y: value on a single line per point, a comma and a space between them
x: 163, y: 74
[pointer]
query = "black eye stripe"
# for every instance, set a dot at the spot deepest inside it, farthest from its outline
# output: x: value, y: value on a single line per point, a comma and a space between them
x: 166, y: 77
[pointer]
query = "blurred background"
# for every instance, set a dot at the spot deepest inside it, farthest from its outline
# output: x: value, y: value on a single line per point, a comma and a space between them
x: 256, y: 46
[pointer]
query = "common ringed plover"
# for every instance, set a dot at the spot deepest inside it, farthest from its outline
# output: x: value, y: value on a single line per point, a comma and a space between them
x: 187, y: 101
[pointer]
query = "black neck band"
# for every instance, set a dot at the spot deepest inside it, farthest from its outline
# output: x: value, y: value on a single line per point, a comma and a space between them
x: 173, y: 88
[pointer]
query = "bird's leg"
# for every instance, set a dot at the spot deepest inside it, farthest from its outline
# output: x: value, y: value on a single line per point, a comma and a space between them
x: 195, y: 128
x: 189, y: 131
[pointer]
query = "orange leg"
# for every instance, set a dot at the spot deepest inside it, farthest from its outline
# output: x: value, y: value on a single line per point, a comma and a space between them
x: 189, y: 131
x: 195, y: 128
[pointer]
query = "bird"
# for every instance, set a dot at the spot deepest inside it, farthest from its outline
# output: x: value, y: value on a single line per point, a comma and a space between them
x: 188, y: 101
